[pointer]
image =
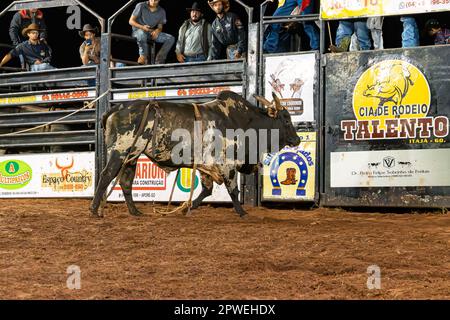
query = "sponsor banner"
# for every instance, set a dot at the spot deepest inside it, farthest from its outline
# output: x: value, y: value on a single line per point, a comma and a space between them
x: 49, y: 98
x: 172, y: 93
x: 392, y: 101
x: 58, y: 175
x: 292, y: 78
x: 290, y: 174
x: 395, y: 168
x: 342, y: 9
x: 151, y: 183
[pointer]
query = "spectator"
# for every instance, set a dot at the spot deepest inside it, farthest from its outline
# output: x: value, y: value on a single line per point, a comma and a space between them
x: 435, y: 30
x: 375, y: 25
x: 344, y: 34
x: 90, y: 48
x: 147, y: 21
x: 228, y: 32
x: 194, y: 37
x: 286, y: 8
x: 23, y: 19
x: 410, y: 34
x: 35, y: 52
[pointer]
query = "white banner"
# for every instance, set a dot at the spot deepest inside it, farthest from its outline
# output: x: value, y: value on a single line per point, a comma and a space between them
x: 394, y: 168
x: 175, y: 93
x: 291, y: 77
x: 58, y: 175
x: 152, y: 184
x: 49, y: 98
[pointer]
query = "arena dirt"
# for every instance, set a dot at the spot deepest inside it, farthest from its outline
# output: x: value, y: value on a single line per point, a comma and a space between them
x: 213, y: 254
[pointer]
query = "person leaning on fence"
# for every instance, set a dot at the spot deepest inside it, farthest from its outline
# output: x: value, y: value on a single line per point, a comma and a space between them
x: 23, y: 19
x: 435, y: 30
x: 228, y: 32
x: 147, y: 21
x: 35, y: 52
x: 286, y: 8
x: 194, y: 37
x: 344, y: 34
x: 90, y: 48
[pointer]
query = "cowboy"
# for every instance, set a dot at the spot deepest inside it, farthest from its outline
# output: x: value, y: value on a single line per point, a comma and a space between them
x: 344, y: 33
x: 194, y: 37
x: 286, y: 8
x: 228, y: 32
x: 435, y: 30
x: 23, y: 19
x: 147, y: 21
x: 90, y: 48
x: 35, y: 52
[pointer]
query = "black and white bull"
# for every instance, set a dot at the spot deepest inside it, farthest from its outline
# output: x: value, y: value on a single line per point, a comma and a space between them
x: 228, y: 111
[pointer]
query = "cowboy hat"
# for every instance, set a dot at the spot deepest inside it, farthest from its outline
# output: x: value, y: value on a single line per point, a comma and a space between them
x: 87, y: 27
x: 195, y: 7
x: 31, y: 27
x: 226, y: 4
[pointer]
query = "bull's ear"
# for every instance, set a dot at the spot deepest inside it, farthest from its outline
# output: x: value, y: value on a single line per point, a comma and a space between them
x: 277, y: 102
x: 262, y: 100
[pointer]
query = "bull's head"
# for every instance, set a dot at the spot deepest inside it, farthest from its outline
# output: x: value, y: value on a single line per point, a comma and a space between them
x: 282, y: 120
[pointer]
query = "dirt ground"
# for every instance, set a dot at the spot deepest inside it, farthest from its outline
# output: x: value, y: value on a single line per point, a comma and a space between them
x: 213, y: 254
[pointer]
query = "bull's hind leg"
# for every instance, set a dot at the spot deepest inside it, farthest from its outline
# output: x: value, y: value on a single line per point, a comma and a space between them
x: 232, y: 187
x: 126, y: 182
x: 207, y: 187
x: 108, y: 174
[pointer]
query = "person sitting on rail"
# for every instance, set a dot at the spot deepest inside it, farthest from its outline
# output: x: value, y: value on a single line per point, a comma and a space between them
x: 35, y: 52
x: 23, y: 19
x: 90, y: 48
x: 435, y: 30
x: 286, y: 8
x: 194, y: 37
x: 147, y: 21
x: 228, y: 32
x: 344, y: 34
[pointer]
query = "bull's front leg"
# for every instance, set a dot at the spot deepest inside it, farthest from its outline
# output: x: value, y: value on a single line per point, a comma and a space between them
x: 232, y: 187
x: 126, y: 183
x: 111, y: 170
x: 207, y: 187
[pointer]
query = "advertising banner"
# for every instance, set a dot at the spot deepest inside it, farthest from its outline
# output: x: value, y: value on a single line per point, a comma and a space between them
x: 387, y: 128
x: 152, y: 184
x: 176, y: 93
x: 395, y: 168
x: 48, y: 98
x: 290, y: 175
x: 292, y: 78
x: 58, y: 175
x: 342, y: 9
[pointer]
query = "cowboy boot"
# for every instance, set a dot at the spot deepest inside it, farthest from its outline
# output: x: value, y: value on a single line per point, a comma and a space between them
x: 343, y: 46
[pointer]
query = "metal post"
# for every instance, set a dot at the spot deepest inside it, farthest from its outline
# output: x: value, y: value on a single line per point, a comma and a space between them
x: 103, y: 104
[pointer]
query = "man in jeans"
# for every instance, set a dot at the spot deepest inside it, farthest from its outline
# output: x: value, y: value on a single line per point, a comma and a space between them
x: 147, y: 21
x: 285, y: 8
x: 35, y: 52
x: 344, y: 33
x: 194, y: 37
x: 229, y: 34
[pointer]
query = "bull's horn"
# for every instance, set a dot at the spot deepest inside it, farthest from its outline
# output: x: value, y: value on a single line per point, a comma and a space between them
x: 277, y: 101
x: 262, y: 100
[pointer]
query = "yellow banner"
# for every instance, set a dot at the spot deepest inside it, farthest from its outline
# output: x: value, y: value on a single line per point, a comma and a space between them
x: 342, y: 9
x: 291, y: 173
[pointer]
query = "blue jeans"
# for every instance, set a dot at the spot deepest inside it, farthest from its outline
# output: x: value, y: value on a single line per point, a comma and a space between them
x: 42, y: 67
x: 346, y: 29
x: 198, y: 58
x: 410, y: 34
x: 143, y: 38
x: 271, y: 44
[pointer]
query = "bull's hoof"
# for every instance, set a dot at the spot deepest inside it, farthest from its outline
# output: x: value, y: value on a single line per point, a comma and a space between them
x: 136, y: 213
x: 243, y: 215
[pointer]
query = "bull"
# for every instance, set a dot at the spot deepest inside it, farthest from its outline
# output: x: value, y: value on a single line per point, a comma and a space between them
x: 125, y: 135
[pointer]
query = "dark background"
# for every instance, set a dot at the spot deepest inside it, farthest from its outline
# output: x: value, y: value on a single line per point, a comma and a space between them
x: 65, y: 43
